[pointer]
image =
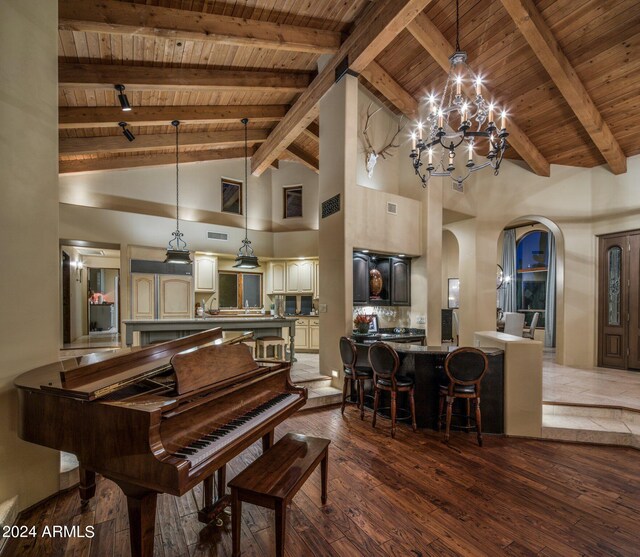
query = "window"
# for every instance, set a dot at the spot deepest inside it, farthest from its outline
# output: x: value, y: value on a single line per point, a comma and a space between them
x: 292, y: 202
x: 531, y: 274
x: 231, y: 196
x: 239, y: 290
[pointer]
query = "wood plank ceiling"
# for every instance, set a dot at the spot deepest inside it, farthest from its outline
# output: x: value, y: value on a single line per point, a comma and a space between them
x: 208, y: 71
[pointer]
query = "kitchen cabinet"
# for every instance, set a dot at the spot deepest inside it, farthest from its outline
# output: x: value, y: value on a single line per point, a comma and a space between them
x: 143, y: 296
x: 176, y: 297
x: 360, y: 279
x: 396, y: 280
x: 300, y: 277
x: 316, y: 279
x: 206, y: 273
x: 400, y: 281
x: 314, y: 333
x: 276, y: 277
x: 301, y: 340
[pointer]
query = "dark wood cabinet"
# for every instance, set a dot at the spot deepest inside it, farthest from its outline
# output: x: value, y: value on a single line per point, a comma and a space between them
x: 360, y: 279
x: 396, y: 280
x: 400, y: 281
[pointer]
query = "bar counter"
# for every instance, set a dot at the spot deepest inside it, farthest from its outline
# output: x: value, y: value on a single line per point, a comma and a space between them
x: 154, y: 330
x: 425, y: 365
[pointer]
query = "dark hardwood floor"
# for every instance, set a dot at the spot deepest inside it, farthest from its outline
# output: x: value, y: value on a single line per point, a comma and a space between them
x: 413, y: 496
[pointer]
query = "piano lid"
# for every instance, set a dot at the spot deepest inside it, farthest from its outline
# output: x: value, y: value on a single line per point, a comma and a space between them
x: 105, y: 374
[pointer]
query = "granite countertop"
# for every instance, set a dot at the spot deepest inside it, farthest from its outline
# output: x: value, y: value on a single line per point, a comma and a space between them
x: 389, y: 335
x: 214, y: 318
x: 442, y: 349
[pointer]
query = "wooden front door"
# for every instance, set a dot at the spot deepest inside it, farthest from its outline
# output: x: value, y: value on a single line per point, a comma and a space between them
x: 619, y: 303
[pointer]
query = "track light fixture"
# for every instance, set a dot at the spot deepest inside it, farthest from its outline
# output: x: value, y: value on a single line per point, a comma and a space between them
x: 124, y: 101
x: 127, y: 133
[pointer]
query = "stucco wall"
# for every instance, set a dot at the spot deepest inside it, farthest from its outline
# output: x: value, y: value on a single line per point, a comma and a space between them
x: 29, y: 322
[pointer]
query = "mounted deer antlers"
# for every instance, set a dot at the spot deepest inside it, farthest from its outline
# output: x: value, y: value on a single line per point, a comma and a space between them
x: 371, y: 153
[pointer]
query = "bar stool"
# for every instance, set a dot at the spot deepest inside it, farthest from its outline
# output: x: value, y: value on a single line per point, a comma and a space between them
x: 352, y: 372
x: 264, y: 343
x: 385, y: 363
x: 464, y: 368
x: 251, y: 343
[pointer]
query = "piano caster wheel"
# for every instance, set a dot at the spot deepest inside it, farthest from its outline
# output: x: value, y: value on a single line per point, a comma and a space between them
x: 219, y: 522
x: 227, y: 511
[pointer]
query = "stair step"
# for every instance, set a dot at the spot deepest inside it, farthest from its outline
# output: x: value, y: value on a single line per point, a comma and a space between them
x: 314, y: 382
x: 589, y: 424
x: 323, y: 396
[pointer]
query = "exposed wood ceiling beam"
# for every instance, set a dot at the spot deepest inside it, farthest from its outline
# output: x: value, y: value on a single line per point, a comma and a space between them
x: 156, y: 142
x: 312, y: 131
x: 303, y: 157
x: 109, y: 116
x: 155, y: 159
x: 127, y: 18
x: 376, y: 29
x: 434, y: 42
x: 537, y: 33
x: 105, y: 76
x: 397, y: 95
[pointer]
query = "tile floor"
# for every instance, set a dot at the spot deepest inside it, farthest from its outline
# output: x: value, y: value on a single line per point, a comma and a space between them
x: 95, y: 340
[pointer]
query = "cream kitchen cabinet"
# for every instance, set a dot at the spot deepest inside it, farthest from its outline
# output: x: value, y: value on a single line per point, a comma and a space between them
x: 175, y: 297
x: 301, y: 340
x: 143, y: 296
x: 314, y: 333
x: 206, y: 273
x: 277, y: 277
x: 316, y: 279
x: 300, y: 277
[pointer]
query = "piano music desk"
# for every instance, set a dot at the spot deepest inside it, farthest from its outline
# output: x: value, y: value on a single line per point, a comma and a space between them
x: 274, y: 479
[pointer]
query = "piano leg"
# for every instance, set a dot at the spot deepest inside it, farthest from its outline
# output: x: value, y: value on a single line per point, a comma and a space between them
x: 87, y: 485
x: 267, y: 441
x: 141, y: 505
x: 212, y: 508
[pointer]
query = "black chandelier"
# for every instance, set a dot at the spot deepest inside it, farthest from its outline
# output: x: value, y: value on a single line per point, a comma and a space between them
x: 177, y: 251
x: 245, y: 258
x: 457, y: 123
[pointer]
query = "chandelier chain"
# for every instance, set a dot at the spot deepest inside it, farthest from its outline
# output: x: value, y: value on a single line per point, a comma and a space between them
x: 457, y: 26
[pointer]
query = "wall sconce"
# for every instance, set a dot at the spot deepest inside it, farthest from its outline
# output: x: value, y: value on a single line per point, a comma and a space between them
x: 79, y: 265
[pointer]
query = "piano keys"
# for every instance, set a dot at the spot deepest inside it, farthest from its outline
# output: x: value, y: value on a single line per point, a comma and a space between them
x: 158, y: 419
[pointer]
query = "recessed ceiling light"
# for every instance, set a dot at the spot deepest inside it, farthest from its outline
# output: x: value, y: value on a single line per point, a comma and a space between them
x: 365, y: 251
x: 401, y: 255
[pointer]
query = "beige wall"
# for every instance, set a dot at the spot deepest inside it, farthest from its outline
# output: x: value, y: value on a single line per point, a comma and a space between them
x: 581, y: 203
x: 294, y: 174
x: 29, y: 326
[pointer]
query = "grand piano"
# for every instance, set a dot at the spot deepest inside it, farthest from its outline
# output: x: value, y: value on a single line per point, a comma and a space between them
x: 159, y: 419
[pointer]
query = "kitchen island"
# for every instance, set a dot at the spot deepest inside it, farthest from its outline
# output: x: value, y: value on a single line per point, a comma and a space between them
x: 158, y: 330
x: 425, y: 365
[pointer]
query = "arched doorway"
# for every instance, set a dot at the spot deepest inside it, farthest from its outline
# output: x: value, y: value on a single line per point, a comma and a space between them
x: 531, y: 252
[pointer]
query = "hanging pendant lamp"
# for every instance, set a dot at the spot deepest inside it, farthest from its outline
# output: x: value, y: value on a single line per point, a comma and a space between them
x: 177, y: 251
x: 246, y: 258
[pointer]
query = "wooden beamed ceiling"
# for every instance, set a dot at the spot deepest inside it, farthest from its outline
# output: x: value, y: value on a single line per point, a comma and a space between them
x: 567, y: 70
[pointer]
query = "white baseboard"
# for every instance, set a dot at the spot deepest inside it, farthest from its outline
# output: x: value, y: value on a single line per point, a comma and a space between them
x: 8, y: 516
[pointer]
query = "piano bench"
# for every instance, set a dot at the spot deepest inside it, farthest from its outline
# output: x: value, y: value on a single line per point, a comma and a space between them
x: 273, y: 480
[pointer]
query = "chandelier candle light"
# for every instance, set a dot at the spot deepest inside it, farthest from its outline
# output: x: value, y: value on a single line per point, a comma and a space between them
x: 457, y: 123
x: 177, y: 251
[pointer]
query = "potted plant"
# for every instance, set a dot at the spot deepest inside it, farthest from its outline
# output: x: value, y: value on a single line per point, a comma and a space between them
x: 362, y: 323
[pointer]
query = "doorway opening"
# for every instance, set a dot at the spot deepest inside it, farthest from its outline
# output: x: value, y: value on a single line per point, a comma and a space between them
x: 90, y: 282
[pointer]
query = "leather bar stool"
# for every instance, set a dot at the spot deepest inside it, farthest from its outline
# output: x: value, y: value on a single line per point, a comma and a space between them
x: 464, y: 369
x: 352, y: 372
x: 385, y: 363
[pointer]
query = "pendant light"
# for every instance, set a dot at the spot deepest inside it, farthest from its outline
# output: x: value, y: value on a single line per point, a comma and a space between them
x: 177, y: 251
x: 245, y: 258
